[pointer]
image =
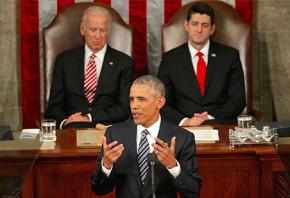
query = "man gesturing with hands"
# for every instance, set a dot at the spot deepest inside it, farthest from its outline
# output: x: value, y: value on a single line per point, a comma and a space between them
x: 123, y: 159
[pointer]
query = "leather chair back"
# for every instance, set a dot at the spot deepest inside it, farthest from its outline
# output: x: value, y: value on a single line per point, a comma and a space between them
x: 230, y: 30
x: 63, y: 33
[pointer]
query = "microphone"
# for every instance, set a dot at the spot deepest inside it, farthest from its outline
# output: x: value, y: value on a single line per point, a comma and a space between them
x: 152, y: 160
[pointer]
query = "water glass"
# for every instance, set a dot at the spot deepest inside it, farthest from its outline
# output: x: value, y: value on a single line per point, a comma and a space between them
x: 245, y: 121
x: 48, y: 129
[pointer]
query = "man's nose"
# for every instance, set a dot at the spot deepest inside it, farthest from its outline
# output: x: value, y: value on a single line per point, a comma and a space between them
x: 199, y: 28
x: 98, y: 34
x: 133, y: 104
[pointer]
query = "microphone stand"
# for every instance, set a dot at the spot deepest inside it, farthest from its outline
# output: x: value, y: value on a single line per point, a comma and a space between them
x: 151, y: 161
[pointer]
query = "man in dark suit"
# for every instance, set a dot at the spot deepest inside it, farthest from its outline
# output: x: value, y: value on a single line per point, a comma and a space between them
x: 121, y: 163
x: 203, y: 79
x: 91, y: 83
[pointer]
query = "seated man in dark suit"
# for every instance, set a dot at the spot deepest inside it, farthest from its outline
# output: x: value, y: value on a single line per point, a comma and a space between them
x: 123, y: 159
x: 91, y: 83
x: 204, y: 79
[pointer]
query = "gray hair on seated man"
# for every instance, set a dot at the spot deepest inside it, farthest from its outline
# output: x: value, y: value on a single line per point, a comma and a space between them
x: 154, y: 82
x: 98, y: 11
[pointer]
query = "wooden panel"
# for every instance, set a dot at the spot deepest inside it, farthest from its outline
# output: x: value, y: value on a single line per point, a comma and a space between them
x: 281, y: 181
x: 65, y: 179
x: 275, y: 179
x: 16, y: 175
x: 229, y: 176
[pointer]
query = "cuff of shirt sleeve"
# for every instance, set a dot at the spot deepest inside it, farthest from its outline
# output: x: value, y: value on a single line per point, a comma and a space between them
x: 90, y: 117
x: 61, y: 124
x: 106, y: 171
x: 210, y: 117
x: 175, y: 171
x: 182, y: 121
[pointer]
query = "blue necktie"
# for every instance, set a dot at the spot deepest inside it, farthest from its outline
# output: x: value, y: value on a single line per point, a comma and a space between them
x: 143, y: 151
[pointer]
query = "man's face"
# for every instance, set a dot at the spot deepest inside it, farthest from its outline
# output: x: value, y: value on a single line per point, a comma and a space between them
x: 199, y: 30
x: 95, y: 29
x: 145, y: 104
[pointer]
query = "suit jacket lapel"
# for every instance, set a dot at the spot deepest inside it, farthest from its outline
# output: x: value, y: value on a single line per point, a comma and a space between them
x: 211, y: 65
x: 107, y: 69
x: 190, y: 76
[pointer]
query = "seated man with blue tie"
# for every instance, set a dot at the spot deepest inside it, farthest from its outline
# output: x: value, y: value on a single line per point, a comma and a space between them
x: 204, y: 79
x: 91, y: 83
x: 123, y: 159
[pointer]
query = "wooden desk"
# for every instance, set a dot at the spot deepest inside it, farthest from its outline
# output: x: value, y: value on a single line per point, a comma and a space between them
x: 248, y: 171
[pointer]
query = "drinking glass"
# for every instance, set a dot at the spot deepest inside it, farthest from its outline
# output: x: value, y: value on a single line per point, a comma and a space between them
x: 48, y: 129
x: 245, y: 123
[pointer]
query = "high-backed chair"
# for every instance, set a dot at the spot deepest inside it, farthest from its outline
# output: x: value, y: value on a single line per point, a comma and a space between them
x: 230, y: 30
x: 63, y: 33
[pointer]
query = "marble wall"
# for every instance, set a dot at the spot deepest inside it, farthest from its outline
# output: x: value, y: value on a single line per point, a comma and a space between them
x: 271, y: 61
x: 271, y: 58
x: 10, y: 98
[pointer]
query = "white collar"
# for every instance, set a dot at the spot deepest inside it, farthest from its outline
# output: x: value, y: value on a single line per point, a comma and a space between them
x: 204, y: 50
x: 100, y: 54
x: 153, y: 129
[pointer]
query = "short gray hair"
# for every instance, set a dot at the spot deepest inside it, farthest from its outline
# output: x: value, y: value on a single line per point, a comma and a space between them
x: 154, y: 82
x: 97, y: 10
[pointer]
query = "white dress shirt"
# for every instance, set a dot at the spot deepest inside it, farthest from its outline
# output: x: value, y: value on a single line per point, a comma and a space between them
x: 194, y: 57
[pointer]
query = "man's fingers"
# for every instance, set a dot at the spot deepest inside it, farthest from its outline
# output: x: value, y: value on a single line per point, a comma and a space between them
x: 115, y: 155
x: 160, y: 142
x: 172, y: 146
x: 104, y: 142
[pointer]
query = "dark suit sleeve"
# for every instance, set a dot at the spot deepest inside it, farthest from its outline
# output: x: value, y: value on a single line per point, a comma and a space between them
x: 119, y: 110
x: 235, y: 89
x: 100, y: 183
x: 164, y: 74
x: 56, y: 98
x: 188, y: 182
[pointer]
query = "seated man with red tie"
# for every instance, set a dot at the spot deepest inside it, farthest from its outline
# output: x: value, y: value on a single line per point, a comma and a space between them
x: 91, y: 83
x: 204, y: 79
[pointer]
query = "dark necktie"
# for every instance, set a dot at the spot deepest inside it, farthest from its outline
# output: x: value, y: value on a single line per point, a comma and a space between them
x: 143, y: 151
x: 90, y: 83
x: 201, y: 72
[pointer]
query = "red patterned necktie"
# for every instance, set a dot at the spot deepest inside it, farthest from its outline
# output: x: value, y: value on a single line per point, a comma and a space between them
x: 201, y: 72
x: 90, y: 83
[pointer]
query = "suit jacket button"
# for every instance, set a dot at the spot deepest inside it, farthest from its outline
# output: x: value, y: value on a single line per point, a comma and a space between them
x: 205, y: 108
x: 90, y: 109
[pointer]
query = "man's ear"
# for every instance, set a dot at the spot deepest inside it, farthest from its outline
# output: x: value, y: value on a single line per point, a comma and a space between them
x: 212, y: 29
x: 161, y: 102
x: 82, y: 29
x: 185, y: 25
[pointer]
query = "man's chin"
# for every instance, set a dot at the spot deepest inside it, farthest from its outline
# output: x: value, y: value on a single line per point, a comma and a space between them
x: 136, y: 121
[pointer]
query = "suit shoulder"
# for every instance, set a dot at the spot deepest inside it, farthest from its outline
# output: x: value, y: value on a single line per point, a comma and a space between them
x: 176, y: 50
x: 177, y: 130
x: 121, y: 126
x: 119, y: 54
x: 223, y: 48
x: 70, y: 52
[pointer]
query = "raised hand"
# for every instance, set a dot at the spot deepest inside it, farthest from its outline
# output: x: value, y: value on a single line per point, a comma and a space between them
x: 112, y: 152
x: 164, y: 153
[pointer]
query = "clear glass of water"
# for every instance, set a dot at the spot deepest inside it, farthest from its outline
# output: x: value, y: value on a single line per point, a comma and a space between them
x: 245, y: 121
x: 48, y: 130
